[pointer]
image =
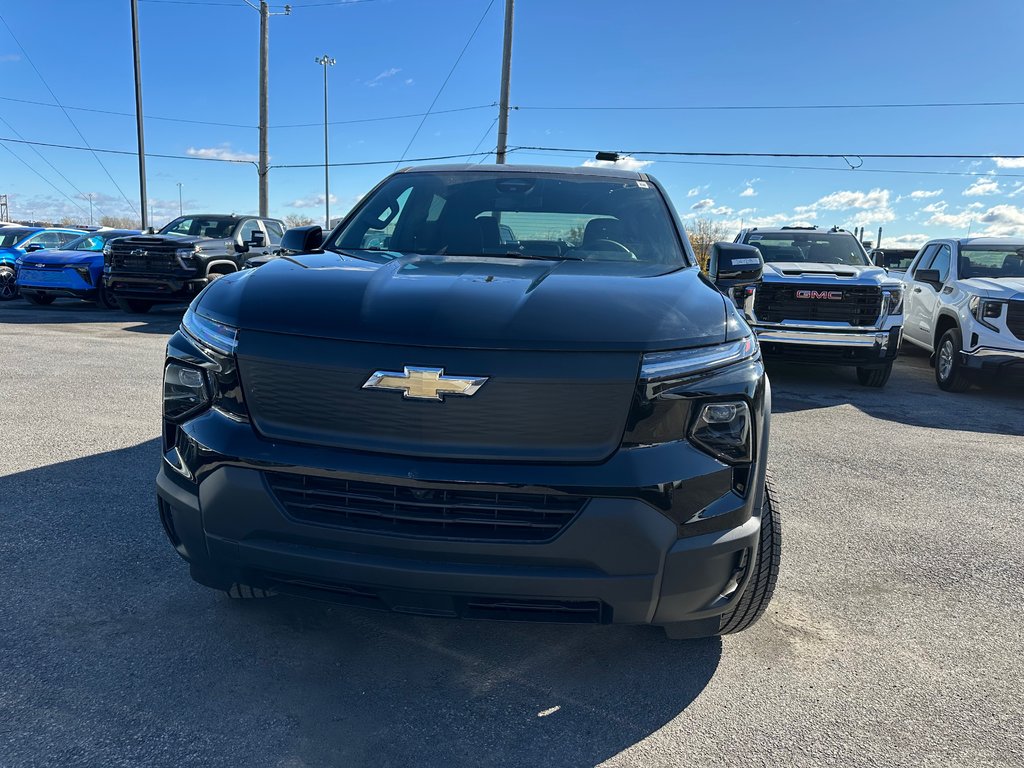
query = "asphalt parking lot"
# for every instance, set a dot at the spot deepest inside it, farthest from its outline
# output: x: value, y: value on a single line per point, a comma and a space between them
x: 894, y: 637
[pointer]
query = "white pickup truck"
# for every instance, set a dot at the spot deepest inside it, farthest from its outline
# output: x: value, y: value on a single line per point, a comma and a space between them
x: 965, y: 304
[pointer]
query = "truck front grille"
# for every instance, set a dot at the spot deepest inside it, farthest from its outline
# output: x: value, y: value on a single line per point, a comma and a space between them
x: 144, y: 256
x: 1015, y: 318
x: 416, y: 511
x: 860, y: 305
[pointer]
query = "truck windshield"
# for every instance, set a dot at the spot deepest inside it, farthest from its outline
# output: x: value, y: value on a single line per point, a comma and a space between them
x: 991, y: 262
x: 521, y: 215
x: 201, y: 226
x: 818, y: 248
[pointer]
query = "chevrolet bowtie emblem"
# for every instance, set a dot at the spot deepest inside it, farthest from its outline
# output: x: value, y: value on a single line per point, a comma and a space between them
x: 424, y: 383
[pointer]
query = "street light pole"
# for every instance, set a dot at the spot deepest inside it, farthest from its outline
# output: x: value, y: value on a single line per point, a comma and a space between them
x: 179, y: 198
x: 90, y: 209
x: 326, y: 61
x: 506, y: 73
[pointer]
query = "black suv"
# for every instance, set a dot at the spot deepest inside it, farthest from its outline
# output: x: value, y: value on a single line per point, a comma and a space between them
x: 175, y: 264
x: 423, y: 415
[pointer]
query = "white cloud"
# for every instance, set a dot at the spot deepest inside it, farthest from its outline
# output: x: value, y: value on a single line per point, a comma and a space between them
x: 223, y: 152
x: 373, y: 82
x: 1002, y: 220
x: 696, y: 190
x: 703, y: 205
x: 409, y: 81
x: 1009, y: 162
x: 623, y: 163
x: 311, y: 201
x: 722, y: 210
x: 746, y: 211
x: 923, y: 194
x: 748, y: 192
x: 872, y: 206
x: 904, y: 241
x: 982, y: 187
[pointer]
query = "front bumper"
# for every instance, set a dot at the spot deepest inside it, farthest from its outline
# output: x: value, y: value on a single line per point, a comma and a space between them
x: 170, y: 289
x: 994, y: 359
x: 56, y: 282
x: 621, y: 559
x: 862, y: 347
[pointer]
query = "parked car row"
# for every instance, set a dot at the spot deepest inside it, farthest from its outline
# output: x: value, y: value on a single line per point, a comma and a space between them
x: 816, y: 296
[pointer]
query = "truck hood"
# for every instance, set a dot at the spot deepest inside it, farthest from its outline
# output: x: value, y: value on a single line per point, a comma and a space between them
x: 475, y: 302
x: 792, y: 271
x: 181, y: 241
x: 995, y: 287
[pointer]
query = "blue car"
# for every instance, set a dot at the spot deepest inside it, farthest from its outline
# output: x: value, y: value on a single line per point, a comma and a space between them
x: 75, y: 270
x: 17, y: 241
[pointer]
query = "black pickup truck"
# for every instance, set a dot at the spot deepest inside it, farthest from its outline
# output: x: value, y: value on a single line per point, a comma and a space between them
x: 175, y: 264
x: 426, y: 414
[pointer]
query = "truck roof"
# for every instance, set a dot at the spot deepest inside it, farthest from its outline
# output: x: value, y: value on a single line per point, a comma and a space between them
x: 574, y: 170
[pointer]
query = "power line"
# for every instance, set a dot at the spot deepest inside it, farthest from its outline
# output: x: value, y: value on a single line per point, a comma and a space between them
x: 68, y: 116
x: 45, y: 160
x: 818, y: 155
x: 385, y: 117
x: 724, y: 107
x: 382, y: 162
x: 446, y: 79
x: 126, y: 152
x: 37, y: 173
x: 123, y: 114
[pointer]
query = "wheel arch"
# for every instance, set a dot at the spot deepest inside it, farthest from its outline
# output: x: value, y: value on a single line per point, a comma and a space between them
x: 221, y: 267
x: 943, y: 323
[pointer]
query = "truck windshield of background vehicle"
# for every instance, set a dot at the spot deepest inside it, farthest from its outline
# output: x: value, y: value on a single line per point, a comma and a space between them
x: 817, y: 248
x: 11, y: 237
x: 214, y: 227
x: 478, y: 213
x: 991, y: 262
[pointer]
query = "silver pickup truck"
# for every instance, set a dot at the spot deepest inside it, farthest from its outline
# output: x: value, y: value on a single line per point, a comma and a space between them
x: 821, y: 300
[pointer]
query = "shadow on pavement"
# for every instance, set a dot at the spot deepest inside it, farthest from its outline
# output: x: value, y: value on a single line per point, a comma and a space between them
x: 160, y: 319
x: 112, y: 655
x: 910, y: 397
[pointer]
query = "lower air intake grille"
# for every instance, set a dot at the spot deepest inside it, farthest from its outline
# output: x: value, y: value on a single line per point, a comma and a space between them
x: 415, y: 511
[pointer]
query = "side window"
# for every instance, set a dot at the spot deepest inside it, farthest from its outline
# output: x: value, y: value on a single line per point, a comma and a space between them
x: 67, y: 237
x: 941, y: 262
x: 380, y: 224
x: 274, y: 231
x: 94, y: 243
x: 248, y: 227
x: 925, y: 258
x: 46, y: 239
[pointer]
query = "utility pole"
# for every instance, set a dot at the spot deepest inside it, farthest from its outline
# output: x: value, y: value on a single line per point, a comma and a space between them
x: 90, y: 209
x: 264, y: 158
x: 138, y: 113
x: 326, y: 61
x: 506, y: 72
x: 179, y: 198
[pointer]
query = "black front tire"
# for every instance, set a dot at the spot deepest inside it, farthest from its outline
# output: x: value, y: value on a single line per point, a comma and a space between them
x: 950, y: 373
x: 104, y: 298
x: 760, y: 587
x: 874, y: 377
x: 40, y: 299
x: 8, y: 288
x: 138, y: 306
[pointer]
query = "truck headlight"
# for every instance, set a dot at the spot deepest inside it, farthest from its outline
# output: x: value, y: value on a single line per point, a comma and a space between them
x: 983, y: 309
x: 723, y: 430
x: 215, y: 335
x: 185, y: 391
x: 895, y: 300
x: 108, y: 249
x: 682, y: 363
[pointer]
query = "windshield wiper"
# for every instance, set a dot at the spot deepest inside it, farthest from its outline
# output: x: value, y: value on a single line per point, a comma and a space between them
x: 517, y: 255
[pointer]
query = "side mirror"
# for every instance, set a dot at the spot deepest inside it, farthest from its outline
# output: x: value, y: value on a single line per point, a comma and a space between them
x: 258, y: 240
x: 35, y: 247
x: 928, y: 276
x: 303, y: 239
x: 731, y: 265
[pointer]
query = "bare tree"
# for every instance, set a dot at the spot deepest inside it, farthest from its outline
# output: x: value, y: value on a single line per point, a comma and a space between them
x: 703, y: 233
x: 120, y: 222
x: 295, y: 220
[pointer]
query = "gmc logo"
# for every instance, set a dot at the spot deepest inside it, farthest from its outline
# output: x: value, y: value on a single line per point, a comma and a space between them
x: 829, y: 295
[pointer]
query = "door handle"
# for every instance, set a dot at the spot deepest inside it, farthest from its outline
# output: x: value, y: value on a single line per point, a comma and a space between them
x: 917, y: 289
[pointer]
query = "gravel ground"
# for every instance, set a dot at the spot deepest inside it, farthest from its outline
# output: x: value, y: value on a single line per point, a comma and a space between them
x: 894, y: 638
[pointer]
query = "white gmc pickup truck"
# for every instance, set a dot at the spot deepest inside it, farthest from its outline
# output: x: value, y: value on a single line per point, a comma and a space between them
x: 965, y: 305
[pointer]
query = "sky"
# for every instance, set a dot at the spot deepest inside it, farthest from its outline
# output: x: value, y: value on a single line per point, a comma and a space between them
x: 586, y: 74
